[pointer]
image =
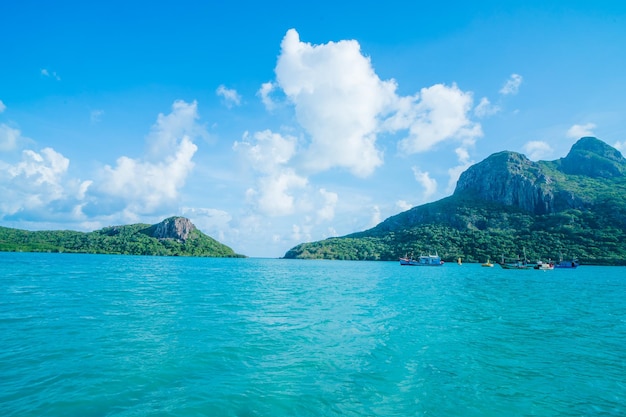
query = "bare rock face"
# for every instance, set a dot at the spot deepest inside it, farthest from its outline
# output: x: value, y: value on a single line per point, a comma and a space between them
x: 509, y: 178
x: 178, y: 228
x: 512, y: 179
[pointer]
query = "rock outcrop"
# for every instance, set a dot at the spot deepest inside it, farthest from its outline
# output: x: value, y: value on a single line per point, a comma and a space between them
x: 178, y: 228
x: 512, y: 179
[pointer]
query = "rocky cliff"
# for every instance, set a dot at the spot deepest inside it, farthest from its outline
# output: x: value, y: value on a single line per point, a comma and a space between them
x: 177, y: 228
x: 541, y: 187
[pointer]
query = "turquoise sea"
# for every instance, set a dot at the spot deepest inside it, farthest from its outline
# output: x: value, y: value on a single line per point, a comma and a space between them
x: 100, y: 335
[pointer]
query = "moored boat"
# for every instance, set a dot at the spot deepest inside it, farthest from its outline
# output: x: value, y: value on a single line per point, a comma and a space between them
x: 567, y: 264
x: 561, y: 264
x: 544, y: 265
x: 422, y: 260
x: 488, y: 264
x: 519, y: 263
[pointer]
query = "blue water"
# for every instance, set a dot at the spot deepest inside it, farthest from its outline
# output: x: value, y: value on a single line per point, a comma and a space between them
x: 99, y: 335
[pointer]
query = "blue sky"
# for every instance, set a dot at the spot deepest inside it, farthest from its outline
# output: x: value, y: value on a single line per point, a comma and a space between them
x: 269, y: 125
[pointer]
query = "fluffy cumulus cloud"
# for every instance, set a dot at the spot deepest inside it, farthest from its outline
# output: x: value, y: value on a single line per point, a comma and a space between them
x: 230, y: 96
x: 579, y: 131
x: 338, y: 99
x: 268, y: 154
x: 344, y: 106
x: 36, y: 181
x: 438, y: 113
x: 151, y: 184
x: 266, y: 151
x: 511, y: 86
x: 537, y: 150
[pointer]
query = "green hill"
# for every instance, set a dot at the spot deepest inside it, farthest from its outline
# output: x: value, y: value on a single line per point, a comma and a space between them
x: 574, y: 207
x: 175, y: 236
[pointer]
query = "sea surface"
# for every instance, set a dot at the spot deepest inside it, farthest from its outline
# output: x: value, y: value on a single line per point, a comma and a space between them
x: 103, y: 335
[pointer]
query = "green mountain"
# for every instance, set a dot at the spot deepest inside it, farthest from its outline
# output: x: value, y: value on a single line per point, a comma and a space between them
x: 572, y: 207
x: 175, y: 236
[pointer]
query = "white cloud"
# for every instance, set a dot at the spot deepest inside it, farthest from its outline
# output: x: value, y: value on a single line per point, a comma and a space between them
x: 151, y: 184
x: 166, y: 134
x: 213, y: 222
x: 327, y: 211
x: 265, y: 93
x: 266, y: 151
x: 403, y: 205
x: 579, y: 131
x: 274, y: 195
x: 536, y: 150
x: 52, y: 74
x: 2, y: 106
x: 511, y: 87
x: 9, y: 137
x: 230, y: 96
x: 36, y: 181
x: 338, y: 99
x: 429, y: 184
x: 620, y: 146
x: 485, y: 108
x: 440, y: 113
x: 454, y: 173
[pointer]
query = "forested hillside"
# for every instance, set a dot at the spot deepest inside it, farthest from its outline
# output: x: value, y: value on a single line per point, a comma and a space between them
x: 571, y: 207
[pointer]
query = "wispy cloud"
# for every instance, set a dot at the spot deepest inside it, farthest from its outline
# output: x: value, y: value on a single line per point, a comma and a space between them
x: 537, y: 150
x: 429, y: 184
x: 511, y: 87
x: 2, y: 106
x: 579, y: 131
x: 230, y: 96
x: 8, y: 137
x: 265, y: 93
x: 485, y: 108
x: 51, y: 74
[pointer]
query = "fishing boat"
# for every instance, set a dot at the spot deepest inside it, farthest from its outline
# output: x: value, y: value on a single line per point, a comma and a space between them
x: 545, y: 266
x: 567, y: 264
x: 422, y: 260
x: 519, y: 263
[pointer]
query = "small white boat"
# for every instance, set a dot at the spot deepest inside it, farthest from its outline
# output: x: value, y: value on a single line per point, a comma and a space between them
x: 422, y: 260
x: 544, y: 265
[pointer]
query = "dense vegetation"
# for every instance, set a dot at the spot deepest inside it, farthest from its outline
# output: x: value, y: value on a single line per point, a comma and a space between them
x: 587, y: 219
x: 488, y: 232
x: 127, y: 240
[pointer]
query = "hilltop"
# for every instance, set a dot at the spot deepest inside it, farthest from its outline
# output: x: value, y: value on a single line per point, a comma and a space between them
x: 574, y: 206
x: 174, y: 236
